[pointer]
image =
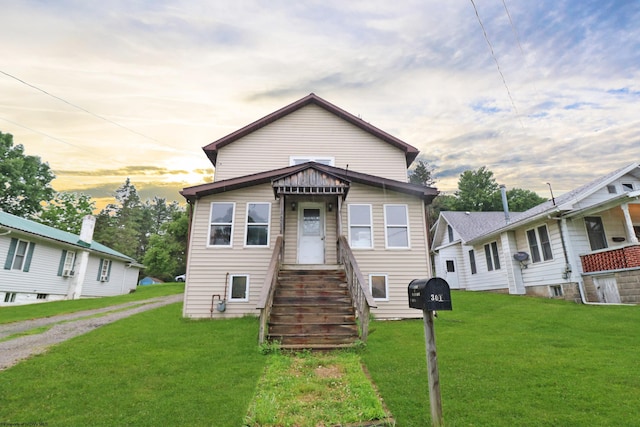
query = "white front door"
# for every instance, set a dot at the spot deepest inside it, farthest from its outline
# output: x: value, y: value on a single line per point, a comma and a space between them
x: 311, y: 233
x: 452, y: 274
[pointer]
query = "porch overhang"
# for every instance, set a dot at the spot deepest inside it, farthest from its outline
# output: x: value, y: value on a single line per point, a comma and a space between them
x: 310, y: 182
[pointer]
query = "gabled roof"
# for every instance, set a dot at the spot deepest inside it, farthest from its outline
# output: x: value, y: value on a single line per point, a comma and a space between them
x: 12, y: 222
x: 568, y: 202
x: 198, y: 191
x: 211, y: 150
x: 470, y: 225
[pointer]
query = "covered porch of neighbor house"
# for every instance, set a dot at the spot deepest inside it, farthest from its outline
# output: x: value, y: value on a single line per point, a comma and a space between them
x: 611, y: 271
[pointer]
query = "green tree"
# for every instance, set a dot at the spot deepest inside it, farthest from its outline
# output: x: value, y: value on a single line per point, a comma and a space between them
x: 477, y: 191
x: 422, y: 174
x: 520, y: 200
x: 66, y: 210
x: 25, y: 181
x: 166, y: 255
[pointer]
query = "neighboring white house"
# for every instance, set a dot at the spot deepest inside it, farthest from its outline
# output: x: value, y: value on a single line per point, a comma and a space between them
x: 321, y: 181
x: 582, y: 245
x: 42, y: 263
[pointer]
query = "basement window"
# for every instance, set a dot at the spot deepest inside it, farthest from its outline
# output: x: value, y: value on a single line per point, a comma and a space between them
x: 556, y: 291
x: 10, y: 297
x: 239, y: 287
x: 42, y: 296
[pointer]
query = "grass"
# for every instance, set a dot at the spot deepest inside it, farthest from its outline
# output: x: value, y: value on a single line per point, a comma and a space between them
x: 34, y: 311
x: 504, y: 361
x: 151, y: 369
x: 314, y: 389
x: 507, y: 360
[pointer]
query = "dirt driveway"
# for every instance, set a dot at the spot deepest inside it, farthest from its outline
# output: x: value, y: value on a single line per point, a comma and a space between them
x: 66, y: 326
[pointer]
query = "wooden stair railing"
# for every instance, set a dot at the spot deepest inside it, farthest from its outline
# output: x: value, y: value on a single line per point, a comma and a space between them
x: 268, y: 288
x: 362, y: 298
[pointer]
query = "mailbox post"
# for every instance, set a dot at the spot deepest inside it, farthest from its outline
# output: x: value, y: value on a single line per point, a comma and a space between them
x: 429, y: 296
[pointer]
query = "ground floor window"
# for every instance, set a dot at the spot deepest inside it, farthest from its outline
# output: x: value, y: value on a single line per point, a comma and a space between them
x: 493, y: 258
x: 472, y: 261
x: 239, y: 287
x: 104, y: 271
x: 379, y: 287
x: 10, y: 297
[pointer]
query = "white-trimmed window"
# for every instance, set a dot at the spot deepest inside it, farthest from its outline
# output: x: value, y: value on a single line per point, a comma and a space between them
x: 450, y: 233
x: 67, y: 263
x: 472, y: 261
x: 19, y: 255
x: 298, y: 160
x: 258, y: 220
x: 396, y: 224
x: 221, y: 228
x: 627, y: 186
x: 104, y: 271
x: 10, y: 297
x: 378, y: 285
x: 360, y: 226
x: 595, y: 232
x: 539, y: 244
x: 239, y: 287
x: 493, y: 258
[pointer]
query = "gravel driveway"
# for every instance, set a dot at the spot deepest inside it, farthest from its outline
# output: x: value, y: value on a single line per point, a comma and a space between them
x: 66, y: 326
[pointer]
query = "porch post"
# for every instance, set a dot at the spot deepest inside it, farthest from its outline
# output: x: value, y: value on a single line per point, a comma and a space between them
x: 628, y: 224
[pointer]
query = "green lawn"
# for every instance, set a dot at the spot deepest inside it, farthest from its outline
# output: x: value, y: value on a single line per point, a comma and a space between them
x: 503, y: 360
x: 33, y: 311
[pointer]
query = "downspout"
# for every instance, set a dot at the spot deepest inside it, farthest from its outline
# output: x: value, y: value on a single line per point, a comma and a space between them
x: 568, y: 270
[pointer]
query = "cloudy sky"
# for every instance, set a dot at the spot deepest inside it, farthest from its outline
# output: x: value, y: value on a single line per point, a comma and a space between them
x: 107, y: 90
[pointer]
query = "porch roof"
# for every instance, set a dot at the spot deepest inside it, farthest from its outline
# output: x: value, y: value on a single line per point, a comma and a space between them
x: 335, y: 178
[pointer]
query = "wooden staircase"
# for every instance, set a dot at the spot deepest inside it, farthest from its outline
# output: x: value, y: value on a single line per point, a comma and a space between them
x: 312, y: 309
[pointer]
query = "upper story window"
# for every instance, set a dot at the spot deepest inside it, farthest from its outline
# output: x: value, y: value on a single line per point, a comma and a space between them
x: 450, y: 233
x: 19, y: 255
x: 493, y: 258
x: 595, y: 232
x: 221, y: 224
x: 396, y: 224
x: 298, y: 160
x: 539, y: 244
x: 627, y: 186
x: 258, y: 219
x: 360, y: 226
x: 612, y: 189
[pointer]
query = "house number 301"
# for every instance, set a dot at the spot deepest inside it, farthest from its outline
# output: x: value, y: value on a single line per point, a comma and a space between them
x: 437, y: 297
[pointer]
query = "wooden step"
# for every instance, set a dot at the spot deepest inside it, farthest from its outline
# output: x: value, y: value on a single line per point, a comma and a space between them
x: 312, y: 309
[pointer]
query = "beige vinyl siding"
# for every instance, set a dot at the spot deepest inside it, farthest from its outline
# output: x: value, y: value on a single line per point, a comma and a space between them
x: 401, y: 265
x: 208, y: 266
x: 310, y: 131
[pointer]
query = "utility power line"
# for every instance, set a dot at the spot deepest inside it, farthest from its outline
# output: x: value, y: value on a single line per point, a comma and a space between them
x: 504, y: 81
x: 98, y: 116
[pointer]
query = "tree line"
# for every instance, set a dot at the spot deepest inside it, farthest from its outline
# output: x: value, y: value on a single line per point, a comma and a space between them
x: 154, y: 232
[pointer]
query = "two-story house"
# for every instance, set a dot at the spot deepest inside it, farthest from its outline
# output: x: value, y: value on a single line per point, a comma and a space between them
x: 307, y: 188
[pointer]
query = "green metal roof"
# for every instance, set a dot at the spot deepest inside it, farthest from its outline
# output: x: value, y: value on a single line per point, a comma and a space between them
x: 13, y: 222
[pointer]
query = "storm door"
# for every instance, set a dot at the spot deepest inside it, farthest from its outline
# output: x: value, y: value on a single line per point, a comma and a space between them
x: 311, y: 233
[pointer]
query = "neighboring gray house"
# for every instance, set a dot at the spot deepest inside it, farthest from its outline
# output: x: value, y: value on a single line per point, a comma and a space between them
x: 582, y: 245
x: 42, y: 263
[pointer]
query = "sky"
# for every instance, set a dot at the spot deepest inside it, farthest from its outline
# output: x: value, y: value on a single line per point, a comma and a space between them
x: 540, y: 92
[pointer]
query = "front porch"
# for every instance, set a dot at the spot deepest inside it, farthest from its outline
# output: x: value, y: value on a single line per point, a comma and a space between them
x: 613, y: 276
